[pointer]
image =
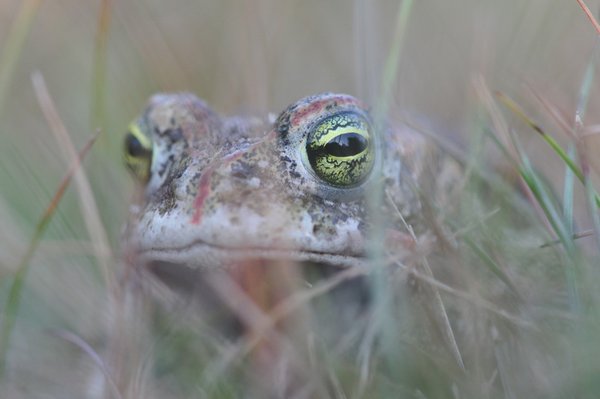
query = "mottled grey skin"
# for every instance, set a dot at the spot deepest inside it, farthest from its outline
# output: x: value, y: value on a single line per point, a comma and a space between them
x: 237, y: 195
x: 226, y: 189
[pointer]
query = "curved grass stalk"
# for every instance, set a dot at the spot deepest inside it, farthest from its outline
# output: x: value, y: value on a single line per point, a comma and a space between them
x: 9, y: 314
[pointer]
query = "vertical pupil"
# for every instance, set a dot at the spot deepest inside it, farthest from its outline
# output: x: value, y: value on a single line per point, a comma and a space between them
x: 134, y: 147
x: 346, y: 145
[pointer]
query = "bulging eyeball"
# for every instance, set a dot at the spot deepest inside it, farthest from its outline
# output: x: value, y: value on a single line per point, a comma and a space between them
x: 138, y: 153
x: 339, y: 149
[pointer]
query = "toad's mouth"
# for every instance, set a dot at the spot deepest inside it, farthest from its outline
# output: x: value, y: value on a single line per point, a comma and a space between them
x: 204, y: 256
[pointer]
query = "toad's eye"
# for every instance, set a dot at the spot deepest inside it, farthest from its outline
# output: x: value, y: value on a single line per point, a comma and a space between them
x: 339, y: 149
x: 138, y: 153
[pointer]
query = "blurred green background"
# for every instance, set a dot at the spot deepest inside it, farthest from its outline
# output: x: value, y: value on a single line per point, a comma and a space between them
x: 102, y: 60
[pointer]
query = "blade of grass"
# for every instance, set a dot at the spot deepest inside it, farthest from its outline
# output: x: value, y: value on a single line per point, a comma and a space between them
x: 554, y: 221
x: 440, y: 315
x: 575, y: 236
x: 14, y: 45
x: 583, y: 100
x: 569, y: 183
x: 363, y: 35
x: 471, y: 299
x: 558, y: 115
x: 534, y: 183
x: 593, y: 211
x: 9, y: 315
x: 375, y: 245
x: 93, y: 355
x: 589, y: 14
x: 501, y: 136
x: 515, y: 108
x: 560, y: 227
x: 534, y: 186
x: 582, y: 103
x: 585, y: 89
x: 568, y: 195
x: 563, y: 231
x: 526, y: 178
x: 89, y: 209
x: 99, y: 65
x: 393, y: 60
x: 544, y: 198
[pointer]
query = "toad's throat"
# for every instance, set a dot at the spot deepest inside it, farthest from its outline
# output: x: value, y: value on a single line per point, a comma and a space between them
x: 229, y: 299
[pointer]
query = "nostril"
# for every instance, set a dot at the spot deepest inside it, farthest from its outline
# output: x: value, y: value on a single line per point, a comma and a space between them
x: 243, y: 170
x: 173, y: 134
x: 316, y: 228
x: 239, y: 174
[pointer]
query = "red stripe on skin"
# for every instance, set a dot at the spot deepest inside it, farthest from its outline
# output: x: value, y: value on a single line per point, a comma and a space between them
x: 317, y: 106
x: 203, y: 192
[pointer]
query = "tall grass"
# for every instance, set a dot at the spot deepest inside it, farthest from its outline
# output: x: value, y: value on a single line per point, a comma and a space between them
x: 499, y: 298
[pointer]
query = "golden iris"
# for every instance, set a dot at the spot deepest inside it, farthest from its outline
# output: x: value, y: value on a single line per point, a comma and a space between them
x: 339, y: 149
x: 138, y: 153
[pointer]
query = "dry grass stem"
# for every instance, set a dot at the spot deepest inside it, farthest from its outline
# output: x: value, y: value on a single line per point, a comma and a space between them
x: 87, y: 201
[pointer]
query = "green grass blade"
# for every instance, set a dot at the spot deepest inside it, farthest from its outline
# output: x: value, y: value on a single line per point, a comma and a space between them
x: 582, y: 103
x: 564, y: 156
x: 99, y: 66
x: 512, y: 105
x: 517, y: 110
x: 590, y: 16
x: 558, y: 224
x: 568, y: 212
x: 586, y: 88
x: 545, y: 201
x: 591, y: 196
x: 9, y: 315
x: 383, y: 298
x: 568, y: 196
x: 393, y: 60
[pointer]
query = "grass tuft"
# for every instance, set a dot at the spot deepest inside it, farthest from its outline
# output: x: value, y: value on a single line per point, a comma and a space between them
x: 498, y: 295
x: 9, y: 315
